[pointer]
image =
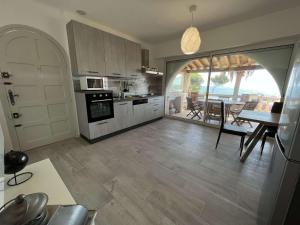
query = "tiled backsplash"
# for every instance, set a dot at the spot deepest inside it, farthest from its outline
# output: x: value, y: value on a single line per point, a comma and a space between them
x: 145, y: 84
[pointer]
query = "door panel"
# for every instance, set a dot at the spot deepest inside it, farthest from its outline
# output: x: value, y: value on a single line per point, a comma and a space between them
x: 39, y: 87
x: 21, y: 49
x: 27, y: 95
x: 57, y: 111
x: 52, y: 74
x: 55, y: 93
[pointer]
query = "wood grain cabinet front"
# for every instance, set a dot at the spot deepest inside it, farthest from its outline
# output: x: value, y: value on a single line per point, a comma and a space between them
x: 87, y: 51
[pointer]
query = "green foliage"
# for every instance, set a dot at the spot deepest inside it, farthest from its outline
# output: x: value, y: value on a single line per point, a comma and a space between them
x: 196, y: 81
x: 220, y: 79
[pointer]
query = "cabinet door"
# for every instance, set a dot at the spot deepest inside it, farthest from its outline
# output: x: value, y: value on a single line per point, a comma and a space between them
x: 123, y: 114
x: 101, y: 128
x: 133, y: 59
x: 139, y: 113
x: 115, y: 55
x: 86, y: 46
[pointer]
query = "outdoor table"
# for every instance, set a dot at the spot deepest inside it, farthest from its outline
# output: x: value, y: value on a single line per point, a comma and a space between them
x: 227, y: 103
x: 264, y: 120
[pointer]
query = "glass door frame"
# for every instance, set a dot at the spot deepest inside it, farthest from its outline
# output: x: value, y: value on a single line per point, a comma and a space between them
x: 239, y: 50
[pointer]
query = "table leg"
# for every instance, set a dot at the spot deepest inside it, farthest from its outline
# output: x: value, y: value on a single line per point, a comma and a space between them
x: 253, y: 141
x: 254, y: 133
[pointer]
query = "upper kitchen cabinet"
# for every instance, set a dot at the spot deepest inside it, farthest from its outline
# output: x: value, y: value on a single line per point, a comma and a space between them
x: 133, y: 59
x: 115, y: 55
x: 87, y: 51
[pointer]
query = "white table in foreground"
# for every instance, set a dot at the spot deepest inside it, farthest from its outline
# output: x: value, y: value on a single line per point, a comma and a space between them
x: 45, y: 179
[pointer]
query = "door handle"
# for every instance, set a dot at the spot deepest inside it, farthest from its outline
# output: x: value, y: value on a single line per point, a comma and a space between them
x: 18, y: 125
x: 11, y: 97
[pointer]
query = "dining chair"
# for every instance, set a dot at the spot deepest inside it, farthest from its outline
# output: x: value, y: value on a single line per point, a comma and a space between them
x: 195, y: 109
x: 271, y: 131
x: 231, y: 129
x: 250, y: 105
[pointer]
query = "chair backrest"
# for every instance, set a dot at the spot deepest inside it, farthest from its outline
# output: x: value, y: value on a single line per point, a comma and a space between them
x: 250, y: 105
x: 277, y: 107
x: 190, y: 104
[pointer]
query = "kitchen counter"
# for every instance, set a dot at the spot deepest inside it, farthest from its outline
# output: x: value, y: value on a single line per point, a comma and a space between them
x: 134, y: 98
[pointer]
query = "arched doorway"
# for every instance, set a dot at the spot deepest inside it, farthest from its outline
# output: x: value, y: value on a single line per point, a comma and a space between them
x: 35, y: 87
x: 253, y: 77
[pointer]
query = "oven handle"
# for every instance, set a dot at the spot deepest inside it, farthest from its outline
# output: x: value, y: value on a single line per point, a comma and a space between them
x: 104, y: 100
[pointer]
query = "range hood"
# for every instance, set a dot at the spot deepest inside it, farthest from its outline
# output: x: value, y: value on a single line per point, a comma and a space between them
x: 146, y: 69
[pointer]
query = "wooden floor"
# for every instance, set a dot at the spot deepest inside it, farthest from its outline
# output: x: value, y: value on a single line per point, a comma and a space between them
x: 166, y: 173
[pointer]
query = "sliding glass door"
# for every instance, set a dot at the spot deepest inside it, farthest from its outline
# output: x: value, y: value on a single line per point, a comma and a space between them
x: 251, y: 79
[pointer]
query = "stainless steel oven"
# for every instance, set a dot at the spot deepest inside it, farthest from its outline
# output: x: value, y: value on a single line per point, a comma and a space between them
x: 99, y: 105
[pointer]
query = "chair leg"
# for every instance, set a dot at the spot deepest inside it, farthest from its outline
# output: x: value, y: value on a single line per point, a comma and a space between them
x: 189, y: 114
x: 242, y: 145
x: 263, y: 144
x: 218, y: 139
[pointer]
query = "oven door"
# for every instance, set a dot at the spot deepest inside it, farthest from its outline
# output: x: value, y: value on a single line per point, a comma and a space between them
x: 99, y: 109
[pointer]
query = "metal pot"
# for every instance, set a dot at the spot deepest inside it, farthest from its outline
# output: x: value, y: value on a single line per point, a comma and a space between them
x: 25, y: 210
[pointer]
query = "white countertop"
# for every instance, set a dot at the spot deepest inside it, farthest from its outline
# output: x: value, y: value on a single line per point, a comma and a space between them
x: 45, y: 179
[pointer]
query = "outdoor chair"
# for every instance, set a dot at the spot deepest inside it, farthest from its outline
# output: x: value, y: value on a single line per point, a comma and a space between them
x: 195, y: 109
x: 236, y: 111
x: 231, y: 129
x: 214, y: 110
x: 271, y: 131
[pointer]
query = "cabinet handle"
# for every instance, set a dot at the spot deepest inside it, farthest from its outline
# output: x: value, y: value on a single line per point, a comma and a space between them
x: 123, y: 103
x: 116, y: 74
x: 155, y: 110
x: 101, y: 123
x: 90, y: 71
x: 134, y: 75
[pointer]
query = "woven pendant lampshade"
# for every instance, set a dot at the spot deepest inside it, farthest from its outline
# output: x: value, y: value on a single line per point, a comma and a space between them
x: 191, y: 40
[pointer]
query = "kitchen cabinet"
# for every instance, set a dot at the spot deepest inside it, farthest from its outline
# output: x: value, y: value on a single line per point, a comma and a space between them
x: 102, y: 128
x: 140, y: 113
x: 123, y: 115
x: 133, y: 59
x: 127, y: 115
x: 87, y: 50
x: 115, y: 55
x: 155, y: 107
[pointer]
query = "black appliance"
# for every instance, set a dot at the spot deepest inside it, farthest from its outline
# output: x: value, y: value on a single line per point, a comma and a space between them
x: 14, y: 162
x: 140, y: 101
x: 100, y: 105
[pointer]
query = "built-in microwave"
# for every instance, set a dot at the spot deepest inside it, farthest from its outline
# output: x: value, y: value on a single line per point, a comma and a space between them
x: 93, y: 83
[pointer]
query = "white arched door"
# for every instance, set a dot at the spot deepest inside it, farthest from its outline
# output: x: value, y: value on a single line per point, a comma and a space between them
x: 35, y: 85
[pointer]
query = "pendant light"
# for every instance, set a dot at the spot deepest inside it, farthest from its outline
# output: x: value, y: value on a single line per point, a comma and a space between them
x: 191, y: 41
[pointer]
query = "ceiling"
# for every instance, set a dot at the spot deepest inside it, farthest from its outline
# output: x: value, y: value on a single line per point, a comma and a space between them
x: 222, y: 63
x: 159, y: 20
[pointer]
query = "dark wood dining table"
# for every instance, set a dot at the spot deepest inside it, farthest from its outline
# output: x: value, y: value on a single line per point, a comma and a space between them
x: 264, y: 120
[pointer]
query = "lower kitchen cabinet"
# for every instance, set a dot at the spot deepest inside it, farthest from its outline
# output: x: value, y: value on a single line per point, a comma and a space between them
x: 101, y: 128
x: 123, y: 115
x: 140, y: 113
x: 127, y: 115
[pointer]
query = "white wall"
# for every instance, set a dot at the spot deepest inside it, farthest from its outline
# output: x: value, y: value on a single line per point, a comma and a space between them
x: 50, y: 20
x: 271, y: 26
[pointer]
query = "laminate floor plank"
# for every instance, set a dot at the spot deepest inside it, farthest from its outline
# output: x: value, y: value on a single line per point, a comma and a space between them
x: 163, y: 173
